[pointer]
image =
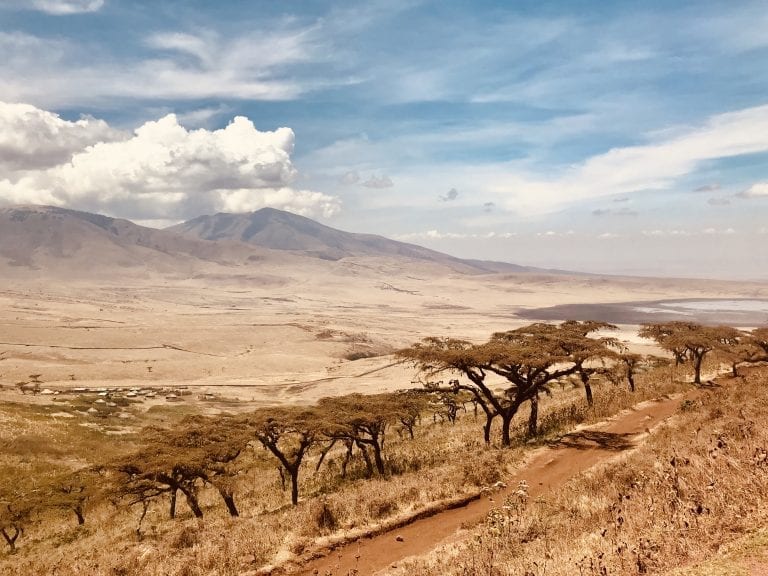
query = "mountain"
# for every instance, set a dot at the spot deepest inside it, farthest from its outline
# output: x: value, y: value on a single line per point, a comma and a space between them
x: 280, y: 230
x: 75, y: 244
x: 46, y: 237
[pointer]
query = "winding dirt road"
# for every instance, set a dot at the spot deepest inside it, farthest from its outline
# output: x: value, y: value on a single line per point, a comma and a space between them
x: 547, y: 469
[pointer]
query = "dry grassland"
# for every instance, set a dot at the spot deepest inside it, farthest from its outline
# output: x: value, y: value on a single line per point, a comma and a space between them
x: 443, y: 463
x: 688, y: 502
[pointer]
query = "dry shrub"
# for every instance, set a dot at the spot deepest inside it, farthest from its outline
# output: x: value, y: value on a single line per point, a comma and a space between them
x: 382, y: 508
x: 483, y: 471
x: 187, y: 537
x: 323, y: 518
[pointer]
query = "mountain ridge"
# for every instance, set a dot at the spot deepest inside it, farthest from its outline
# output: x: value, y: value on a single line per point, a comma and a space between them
x: 281, y: 230
x: 49, y: 237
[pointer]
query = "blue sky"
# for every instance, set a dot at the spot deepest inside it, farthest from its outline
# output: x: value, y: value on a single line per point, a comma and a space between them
x: 605, y: 136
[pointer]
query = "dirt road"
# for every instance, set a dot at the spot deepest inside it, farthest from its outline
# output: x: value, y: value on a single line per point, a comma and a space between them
x: 547, y: 469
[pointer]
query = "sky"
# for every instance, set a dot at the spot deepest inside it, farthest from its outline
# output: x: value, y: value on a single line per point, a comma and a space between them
x: 612, y: 137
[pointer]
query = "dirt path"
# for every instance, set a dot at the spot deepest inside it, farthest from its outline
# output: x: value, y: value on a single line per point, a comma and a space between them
x: 548, y: 468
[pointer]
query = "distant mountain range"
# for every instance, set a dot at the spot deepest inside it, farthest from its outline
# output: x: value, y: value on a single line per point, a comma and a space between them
x: 45, y: 237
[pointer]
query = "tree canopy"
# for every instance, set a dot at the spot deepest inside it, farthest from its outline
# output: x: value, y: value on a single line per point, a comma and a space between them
x: 527, y: 358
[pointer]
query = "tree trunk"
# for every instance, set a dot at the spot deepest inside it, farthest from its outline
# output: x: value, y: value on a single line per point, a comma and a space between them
x: 735, y: 369
x: 194, y: 505
x: 173, y: 503
x: 347, y: 458
x: 487, y: 427
x: 631, y: 380
x: 11, y: 539
x: 367, y: 458
x: 294, y: 485
x: 378, y: 459
x: 533, y: 418
x: 587, y: 389
x: 697, y: 360
x: 229, y: 501
x: 78, y: 510
x: 506, y: 421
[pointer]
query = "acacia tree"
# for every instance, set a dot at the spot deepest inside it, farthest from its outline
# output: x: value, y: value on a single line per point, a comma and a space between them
x: 288, y: 433
x: 588, y: 354
x: 197, y: 451
x: 73, y: 490
x: 412, y: 404
x: 749, y: 348
x: 362, y: 421
x: 689, y: 341
x: 20, y: 499
x: 528, y: 358
x: 213, y: 446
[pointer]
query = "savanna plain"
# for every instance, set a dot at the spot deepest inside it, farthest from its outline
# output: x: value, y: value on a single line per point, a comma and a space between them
x: 289, y: 417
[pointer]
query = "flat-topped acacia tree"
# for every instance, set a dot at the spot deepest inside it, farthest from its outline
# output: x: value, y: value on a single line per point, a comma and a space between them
x: 749, y: 348
x: 198, y: 450
x: 691, y: 341
x: 288, y: 433
x: 528, y: 358
x: 362, y: 421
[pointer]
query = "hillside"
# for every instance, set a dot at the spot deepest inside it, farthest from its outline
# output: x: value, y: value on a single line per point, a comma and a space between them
x: 280, y: 230
x: 51, y: 239
x: 75, y: 243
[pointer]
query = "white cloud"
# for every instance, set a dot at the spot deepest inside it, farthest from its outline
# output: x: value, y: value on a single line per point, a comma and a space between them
x: 662, y: 233
x: 608, y: 236
x: 382, y: 181
x: 31, y: 138
x: 62, y: 72
x: 167, y: 171
x: 350, y: 177
x: 757, y: 190
x: 719, y: 232
x: 65, y: 7
x: 437, y: 235
x: 654, y: 166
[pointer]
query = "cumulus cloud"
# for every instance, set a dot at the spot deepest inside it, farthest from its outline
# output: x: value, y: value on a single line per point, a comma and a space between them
x: 449, y: 196
x: 64, y: 7
x: 31, y: 138
x: 382, y: 181
x: 757, y: 190
x: 167, y: 171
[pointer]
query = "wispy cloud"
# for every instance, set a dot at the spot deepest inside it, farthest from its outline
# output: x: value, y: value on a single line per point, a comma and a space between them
x: 654, y: 166
x: 180, y: 66
x: 66, y: 7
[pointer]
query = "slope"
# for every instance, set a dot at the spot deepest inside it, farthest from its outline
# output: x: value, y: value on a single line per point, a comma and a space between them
x: 280, y: 230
